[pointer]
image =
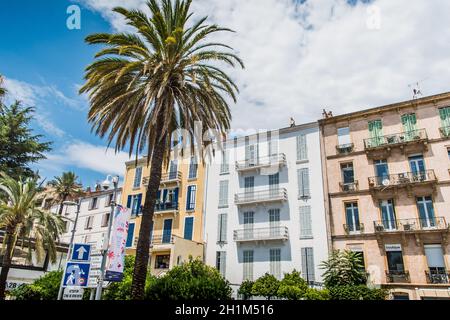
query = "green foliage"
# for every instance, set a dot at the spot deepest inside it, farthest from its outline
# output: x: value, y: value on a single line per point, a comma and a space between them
x: 359, y: 292
x: 44, y: 288
x: 192, y: 280
x: 315, y: 294
x: 246, y: 289
x: 18, y: 146
x: 266, y: 286
x: 292, y: 287
x: 343, y: 268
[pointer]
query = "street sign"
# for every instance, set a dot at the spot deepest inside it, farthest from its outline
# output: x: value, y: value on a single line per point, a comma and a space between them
x: 76, y: 274
x: 81, y: 252
x: 73, y: 293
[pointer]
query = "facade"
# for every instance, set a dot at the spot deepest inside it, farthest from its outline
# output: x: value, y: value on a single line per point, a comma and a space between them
x: 95, y: 212
x: 178, y: 219
x: 388, y: 184
x: 265, y: 206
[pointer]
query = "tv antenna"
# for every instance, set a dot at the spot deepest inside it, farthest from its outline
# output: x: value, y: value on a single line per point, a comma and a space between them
x: 416, y: 89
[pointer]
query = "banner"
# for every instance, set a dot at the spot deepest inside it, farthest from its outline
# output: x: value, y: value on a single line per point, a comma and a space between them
x: 117, y: 245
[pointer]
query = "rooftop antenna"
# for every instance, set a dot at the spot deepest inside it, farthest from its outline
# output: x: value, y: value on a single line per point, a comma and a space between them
x: 417, y: 91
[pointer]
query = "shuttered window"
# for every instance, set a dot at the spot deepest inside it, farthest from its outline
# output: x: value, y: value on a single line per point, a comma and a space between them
x: 137, y: 177
x: 308, y: 265
x: 303, y: 183
x: 305, y: 223
x: 223, y: 194
x: 221, y: 261
x: 222, y: 228
x: 89, y: 222
x: 302, y: 150
x: 225, y: 167
x: 130, y: 235
x: 248, y: 265
x: 188, y: 227
x: 193, y: 167
x: 275, y: 263
x: 190, y: 198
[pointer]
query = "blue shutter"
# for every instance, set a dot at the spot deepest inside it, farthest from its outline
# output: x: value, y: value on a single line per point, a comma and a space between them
x: 176, y: 193
x: 129, y: 202
x: 167, y: 231
x: 138, y: 204
x: 188, y: 198
x: 130, y: 235
x: 188, y: 228
x: 164, y: 195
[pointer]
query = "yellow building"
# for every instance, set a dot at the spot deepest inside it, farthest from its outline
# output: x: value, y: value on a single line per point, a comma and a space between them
x: 178, y: 221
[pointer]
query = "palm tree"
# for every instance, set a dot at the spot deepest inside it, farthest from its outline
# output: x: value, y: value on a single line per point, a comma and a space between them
x: 344, y: 268
x: 145, y: 85
x: 2, y: 89
x: 22, y: 221
x: 65, y: 187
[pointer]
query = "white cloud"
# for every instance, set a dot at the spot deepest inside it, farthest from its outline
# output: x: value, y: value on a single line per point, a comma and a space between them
x: 301, y: 58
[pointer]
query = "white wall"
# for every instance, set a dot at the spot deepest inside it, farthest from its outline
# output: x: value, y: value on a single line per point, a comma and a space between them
x: 289, y: 211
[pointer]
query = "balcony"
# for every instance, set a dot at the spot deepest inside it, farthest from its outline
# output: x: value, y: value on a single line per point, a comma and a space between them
x: 261, y: 234
x: 261, y: 197
x: 397, y: 276
x: 437, y: 276
x: 349, y: 187
x: 413, y: 181
x: 345, y: 148
x: 445, y: 132
x: 166, y: 207
x: 259, y: 163
x: 409, y: 142
x: 354, y: 229
x: 168, y: 178
x: 411, y: 225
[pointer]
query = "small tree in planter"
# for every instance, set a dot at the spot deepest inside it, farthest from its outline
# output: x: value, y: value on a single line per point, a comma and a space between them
x: 292, y: 287
x: 266, y: 286
x: 245, y: 290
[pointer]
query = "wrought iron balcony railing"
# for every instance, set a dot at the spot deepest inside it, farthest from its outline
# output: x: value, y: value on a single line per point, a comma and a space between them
x: 261, y: 162
x: 395, y: 139
x: 354, y: 228
x: 261, y: 234
x: 349, y: 187
x: 411, y: 225
x: 435, y: 276
x: 445, y: 132
x: 345, y: 148
x: 166, y: 206
x: 162, y: 239
x: 169, y: 177
x: 278, y: 194
x: 402, y: 179
x: 395, y: 276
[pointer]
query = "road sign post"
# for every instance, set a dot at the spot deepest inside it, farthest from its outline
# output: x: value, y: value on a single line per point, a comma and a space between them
x: 76, y: 274
x: 73, y: 293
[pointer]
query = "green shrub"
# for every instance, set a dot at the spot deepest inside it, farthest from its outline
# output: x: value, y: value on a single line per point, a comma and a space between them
x: 344, y: 268
x: 44, y: 288
x: 246, y: 289
x: 314, y: 294
x: 360, y: 292
x: 292, y: 287
x: 266, y: 286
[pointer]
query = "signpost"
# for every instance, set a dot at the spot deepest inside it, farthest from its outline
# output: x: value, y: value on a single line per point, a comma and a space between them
x: 81, y: 252
x: 76, y: 274
x: 73, y: 293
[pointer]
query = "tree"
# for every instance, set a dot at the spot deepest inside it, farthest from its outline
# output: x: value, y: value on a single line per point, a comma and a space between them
x: 343, y: 268
x: 66, y: 187
x: 44, y: 288
x: 246, y: 289
x: 292, y: 287
x: 266, y: 286
x: 18, y: 146
x: 190, y: 281
x: 357, y: 292
x: 315, y: 294
x: 23, y: 222
x: 3, y: 91
x: 146, y: 85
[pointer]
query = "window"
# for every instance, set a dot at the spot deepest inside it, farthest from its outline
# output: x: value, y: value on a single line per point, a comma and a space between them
x: 162, y: 261
x: 109, y: 199
x: 89, y: 222
x: 249, y: 184
x: 400, y: 296
x: 388, y: 214
x: 167, y: 231
x: 302, y: 150
x: 105, y: 219
x: 251, y: 153
x: 417, y: 165
x: 137, y: 177
x: 409, y: 122
x: 272, y: 144
x: 193, y: 166
x: 444, y: 114
x: 375, y: 133
x: 65, y: 226
x: 448, y: 152
x: 344, y: 136
x: 426, y: 212
x: 308, y: 265
x: 222, y: 228
x: 275, y: 262
x: 21, y: 259
x: 381, y: 170
x: 436, y: 265
x: 249, y: 220
x: 223, y: 194
x: 358, y: 251
x: 352, y: 217
x: 348, y: 175
x: 303, y: 183
x: 130, y: 235
x: 274, y: 181
x: 134, y: 203
x: 93, y: 204
x: 274, y: 222
x: 248, y: 265
x: 225, y: 167
x: 173, y: 170
x: 305, y: 223
x: 190, y: 199
x: 188, y: 227
x: 395, y: 259
x: 221, y: 259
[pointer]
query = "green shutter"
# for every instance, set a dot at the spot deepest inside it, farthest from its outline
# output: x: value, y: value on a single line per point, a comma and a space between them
x: 409, y: 122
x: 376, y: 133
x: 445, y: 120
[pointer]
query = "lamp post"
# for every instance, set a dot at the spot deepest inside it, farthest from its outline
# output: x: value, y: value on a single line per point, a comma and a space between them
x: 69, y: 251
x: 106, y: 185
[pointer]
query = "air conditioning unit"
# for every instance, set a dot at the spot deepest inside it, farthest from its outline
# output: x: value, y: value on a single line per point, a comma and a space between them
x: 379, y: 228
x: 407, y: 227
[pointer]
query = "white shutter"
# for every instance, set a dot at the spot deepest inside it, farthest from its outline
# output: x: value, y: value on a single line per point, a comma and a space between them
x: 302, y: 150
x: 223, y: 263
x: 305, y: 222
x: 308, y: 264
x: 344, y: 136
x: 303, y: 183
x: 223, y: 193
x: 435, y: 257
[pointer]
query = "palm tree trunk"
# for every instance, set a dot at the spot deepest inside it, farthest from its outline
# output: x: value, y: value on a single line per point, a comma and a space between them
x: 61, y: 205
x: 143, y: 245
x: 6, y: 264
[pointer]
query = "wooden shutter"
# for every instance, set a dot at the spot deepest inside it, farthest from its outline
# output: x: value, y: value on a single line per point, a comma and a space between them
x: 305, y: 222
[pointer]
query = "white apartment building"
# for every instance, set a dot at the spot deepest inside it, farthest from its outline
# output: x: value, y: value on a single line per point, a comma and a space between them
x: 93, y: 218
x: 264, y: 206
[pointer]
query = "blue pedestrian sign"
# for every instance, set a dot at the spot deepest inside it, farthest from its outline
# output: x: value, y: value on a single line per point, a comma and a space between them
x: 81, y: 252
x: 76, y: 274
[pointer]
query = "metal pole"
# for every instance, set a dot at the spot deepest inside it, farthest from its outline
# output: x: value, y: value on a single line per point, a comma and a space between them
x: 69, y: 251
x: 98, y: 292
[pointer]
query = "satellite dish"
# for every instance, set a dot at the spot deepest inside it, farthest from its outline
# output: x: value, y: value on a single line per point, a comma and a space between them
x: 386, y: 182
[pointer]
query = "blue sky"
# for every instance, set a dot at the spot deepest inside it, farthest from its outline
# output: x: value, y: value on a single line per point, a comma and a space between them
x: 301, y: 56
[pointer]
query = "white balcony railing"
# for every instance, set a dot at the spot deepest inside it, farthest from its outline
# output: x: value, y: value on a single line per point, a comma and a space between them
x: 261, y: 234
x: 271, y: 195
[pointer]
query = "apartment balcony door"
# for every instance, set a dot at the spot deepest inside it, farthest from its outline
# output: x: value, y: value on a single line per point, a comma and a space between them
x: 173, y: 170
x: 249, y: 185
x: 388, y: 215
x: 249, y: 222
x: 382, y: 171
x: 274, y: 222
x: 436, y: 263
x: 409, y: 122
x: 426, y: 212
x: 417, y: 164
x: 167, y: 231
x: 274, y: 184
x: 352, y: 217
x: 251, y: 155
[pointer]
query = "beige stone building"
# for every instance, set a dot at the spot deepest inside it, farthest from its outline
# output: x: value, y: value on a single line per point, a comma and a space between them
x: 387, y: 177
x: 178, y: 220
